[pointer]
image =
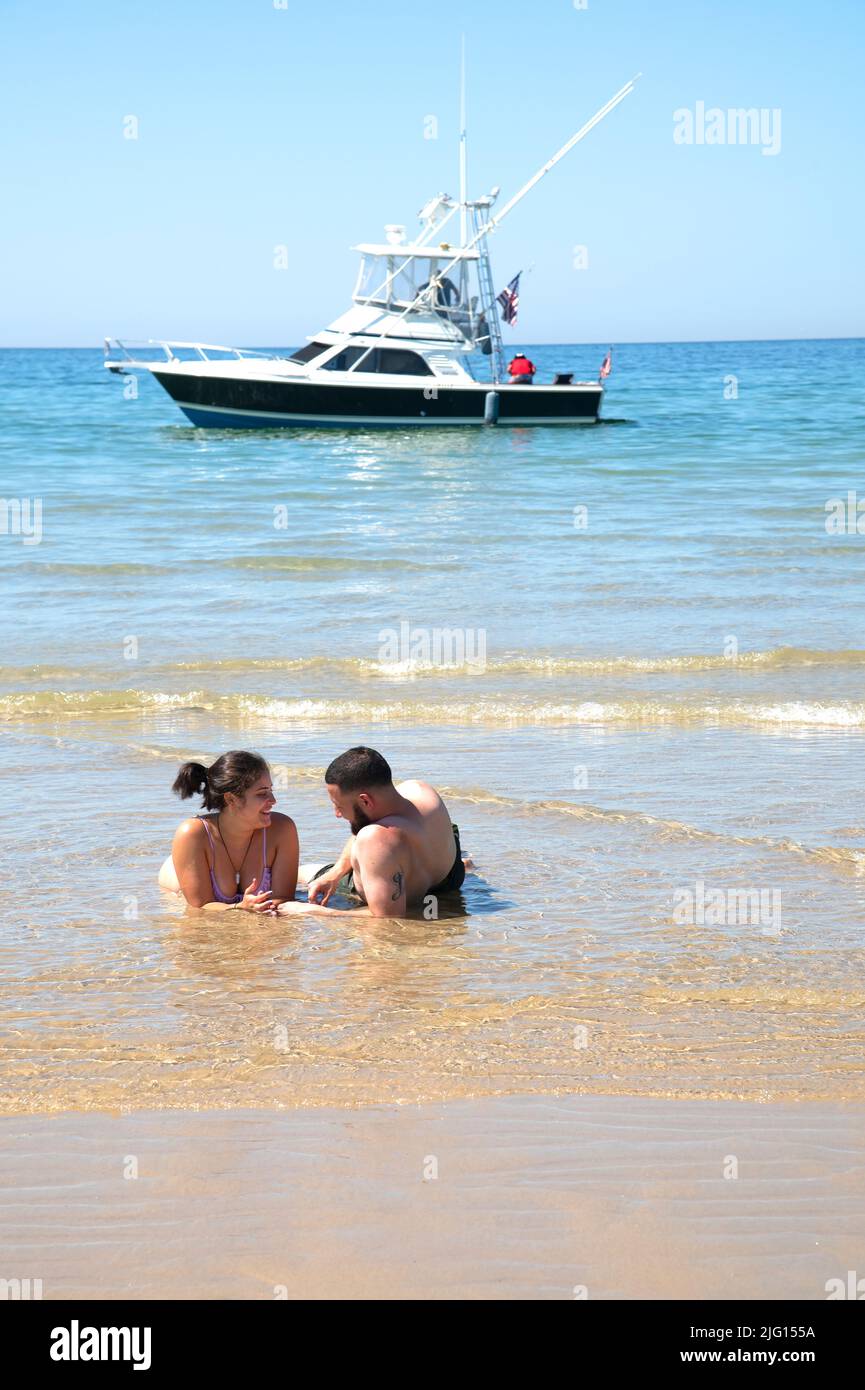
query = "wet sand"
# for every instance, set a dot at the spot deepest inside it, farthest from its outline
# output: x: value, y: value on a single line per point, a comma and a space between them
x: 534, y: 1198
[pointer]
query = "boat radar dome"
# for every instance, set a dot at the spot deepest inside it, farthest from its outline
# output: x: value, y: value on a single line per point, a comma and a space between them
x: 395, y: 234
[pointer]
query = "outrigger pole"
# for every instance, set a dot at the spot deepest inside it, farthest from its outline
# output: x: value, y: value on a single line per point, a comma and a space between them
x: 560, y: 154
x: 489, y: 308
x: 491, y: 225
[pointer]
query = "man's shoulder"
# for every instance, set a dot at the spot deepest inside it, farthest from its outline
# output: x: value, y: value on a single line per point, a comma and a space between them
x: 385, y: 829
x: 417, y: 792
x: 381, y: 840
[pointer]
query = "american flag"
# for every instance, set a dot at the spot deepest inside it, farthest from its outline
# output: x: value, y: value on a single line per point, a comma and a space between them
x: 606, y: 366
x: 510, y: 300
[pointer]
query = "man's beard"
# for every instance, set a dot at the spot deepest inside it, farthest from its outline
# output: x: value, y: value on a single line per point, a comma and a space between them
x: 359, y: 819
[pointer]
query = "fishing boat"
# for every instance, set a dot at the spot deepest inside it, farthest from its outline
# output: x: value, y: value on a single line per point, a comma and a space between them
x: 424, y: 314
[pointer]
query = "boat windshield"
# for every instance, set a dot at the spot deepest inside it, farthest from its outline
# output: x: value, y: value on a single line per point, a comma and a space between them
x: 394, y: 282
x: 309, y: 352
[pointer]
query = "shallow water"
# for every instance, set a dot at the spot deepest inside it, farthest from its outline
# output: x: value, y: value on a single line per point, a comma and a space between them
x: 660, y: 710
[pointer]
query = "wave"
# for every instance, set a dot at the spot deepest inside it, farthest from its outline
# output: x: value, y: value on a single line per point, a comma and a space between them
x: 54, y: 704
x: 40, y: 673
x: 88, y: 568
x: 536, y: 665
x: 287, y: 564
x: 323, y: 563
x: 244, y: 708
x: 840, y: 856
x: 540, y: 664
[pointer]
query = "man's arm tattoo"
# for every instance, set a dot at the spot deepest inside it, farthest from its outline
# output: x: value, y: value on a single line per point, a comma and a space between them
x: 397, y: 878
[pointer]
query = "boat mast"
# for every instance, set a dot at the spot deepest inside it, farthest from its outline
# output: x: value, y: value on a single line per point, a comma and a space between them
x: 480, y: 218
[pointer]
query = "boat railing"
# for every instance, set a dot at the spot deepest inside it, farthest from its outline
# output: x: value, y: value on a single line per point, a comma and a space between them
x: 171, y: 346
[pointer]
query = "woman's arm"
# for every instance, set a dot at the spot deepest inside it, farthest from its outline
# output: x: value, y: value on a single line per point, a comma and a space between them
x: 300, y: 909
x: 283, y: 870
x: 190, y: 863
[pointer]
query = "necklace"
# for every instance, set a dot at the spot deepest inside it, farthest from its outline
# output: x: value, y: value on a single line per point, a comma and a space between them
x: 230, y: 860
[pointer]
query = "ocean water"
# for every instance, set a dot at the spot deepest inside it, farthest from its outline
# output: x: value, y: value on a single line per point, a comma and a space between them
x: 631, y: 655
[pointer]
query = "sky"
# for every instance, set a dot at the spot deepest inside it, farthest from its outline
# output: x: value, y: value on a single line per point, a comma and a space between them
x: 263, y: 124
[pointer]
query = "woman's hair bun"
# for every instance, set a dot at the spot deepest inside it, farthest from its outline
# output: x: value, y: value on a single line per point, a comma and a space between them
x: 191, y: 780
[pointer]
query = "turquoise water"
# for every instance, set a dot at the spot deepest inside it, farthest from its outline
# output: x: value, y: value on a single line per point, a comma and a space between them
x: 671, y: 693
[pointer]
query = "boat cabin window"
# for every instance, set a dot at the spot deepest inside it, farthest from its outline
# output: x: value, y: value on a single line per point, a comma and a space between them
x: 345, y: 359
x: 401, y: 363
x: 306, y: 354
x: 396, y: 361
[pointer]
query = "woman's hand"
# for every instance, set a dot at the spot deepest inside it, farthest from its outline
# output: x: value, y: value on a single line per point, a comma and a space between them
x: 254, y: 901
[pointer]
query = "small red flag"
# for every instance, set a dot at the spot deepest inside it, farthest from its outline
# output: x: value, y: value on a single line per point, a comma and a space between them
x: 606, y: 365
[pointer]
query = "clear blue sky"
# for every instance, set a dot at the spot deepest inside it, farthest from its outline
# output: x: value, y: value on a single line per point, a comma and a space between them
x: 304, y: 126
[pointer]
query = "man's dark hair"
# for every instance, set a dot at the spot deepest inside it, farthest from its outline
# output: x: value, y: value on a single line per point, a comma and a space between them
x: 357, y: 769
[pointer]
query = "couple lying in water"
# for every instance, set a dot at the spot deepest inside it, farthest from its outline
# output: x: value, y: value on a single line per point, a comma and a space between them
x: 403, y: 850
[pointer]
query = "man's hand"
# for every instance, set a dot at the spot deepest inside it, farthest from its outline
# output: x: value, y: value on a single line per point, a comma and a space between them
x: 323, y: 888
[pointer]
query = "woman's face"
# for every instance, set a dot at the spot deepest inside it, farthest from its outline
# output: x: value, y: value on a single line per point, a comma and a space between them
x: 253, y: 810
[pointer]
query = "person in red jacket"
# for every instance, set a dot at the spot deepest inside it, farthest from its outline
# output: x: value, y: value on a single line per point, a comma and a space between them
x: 521, y: 370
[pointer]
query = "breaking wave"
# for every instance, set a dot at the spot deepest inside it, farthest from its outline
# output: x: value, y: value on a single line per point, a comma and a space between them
x: 248, y: 708
x: 537, y: 665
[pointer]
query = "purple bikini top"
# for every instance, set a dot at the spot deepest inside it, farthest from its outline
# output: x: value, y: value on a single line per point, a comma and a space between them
x: 264, y: 881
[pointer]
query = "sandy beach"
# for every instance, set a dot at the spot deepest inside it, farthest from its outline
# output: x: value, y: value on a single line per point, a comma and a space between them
x: 516, y: 1198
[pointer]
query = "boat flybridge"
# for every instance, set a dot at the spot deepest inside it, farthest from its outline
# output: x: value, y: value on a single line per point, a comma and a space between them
x: 400, y: 355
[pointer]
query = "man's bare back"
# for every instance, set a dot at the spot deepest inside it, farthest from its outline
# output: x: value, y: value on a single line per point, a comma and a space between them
x: 404, y: 846
x: 417, y: 842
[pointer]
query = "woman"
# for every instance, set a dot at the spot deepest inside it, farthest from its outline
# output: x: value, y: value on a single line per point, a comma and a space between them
x: 243, y: 854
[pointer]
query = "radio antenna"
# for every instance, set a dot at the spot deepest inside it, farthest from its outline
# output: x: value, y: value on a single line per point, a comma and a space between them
x: 463, y: 150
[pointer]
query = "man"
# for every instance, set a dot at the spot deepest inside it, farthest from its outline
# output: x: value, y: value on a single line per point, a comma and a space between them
x: 521, y: 370
x: 403, y: 846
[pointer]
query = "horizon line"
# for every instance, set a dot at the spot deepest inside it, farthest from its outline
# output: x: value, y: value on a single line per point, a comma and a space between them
x: 588, y: 342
